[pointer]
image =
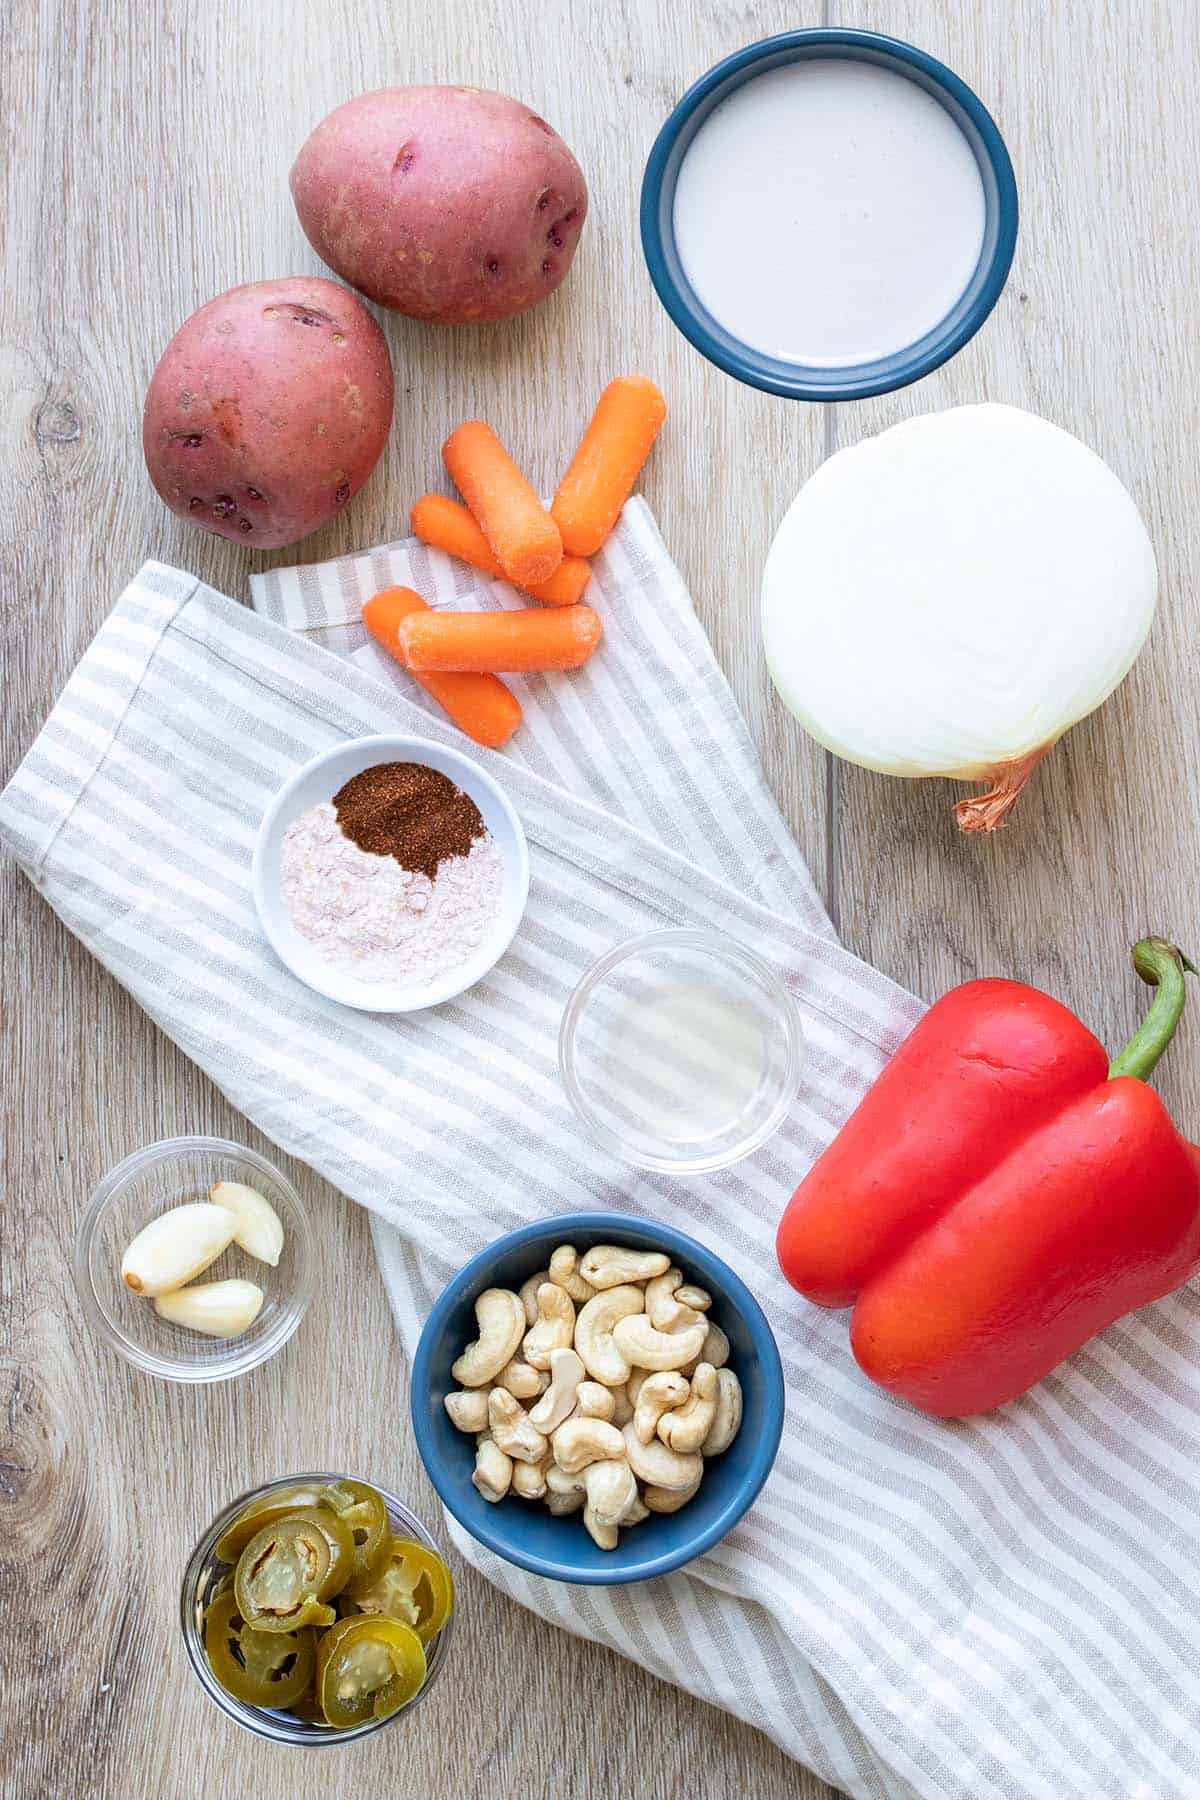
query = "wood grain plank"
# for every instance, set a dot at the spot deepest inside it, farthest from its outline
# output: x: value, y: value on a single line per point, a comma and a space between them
x: 147, y: 147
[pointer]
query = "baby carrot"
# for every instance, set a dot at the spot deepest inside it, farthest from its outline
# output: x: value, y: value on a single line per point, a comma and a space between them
x: 607, y: 463
x: 442, y: 522
x: 523, y: 537
x: 480, y: 705
x: 526, y: 639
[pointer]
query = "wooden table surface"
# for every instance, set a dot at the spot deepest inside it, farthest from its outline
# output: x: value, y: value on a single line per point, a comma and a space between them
x: 146, y: 157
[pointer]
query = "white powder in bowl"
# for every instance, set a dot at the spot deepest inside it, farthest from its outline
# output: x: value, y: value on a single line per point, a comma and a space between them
x: 374, y: 919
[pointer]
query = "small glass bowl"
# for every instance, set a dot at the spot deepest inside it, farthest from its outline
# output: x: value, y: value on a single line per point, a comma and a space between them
x: 150, y: 1182
x: 681, y: 1051
x: 200, y: 1578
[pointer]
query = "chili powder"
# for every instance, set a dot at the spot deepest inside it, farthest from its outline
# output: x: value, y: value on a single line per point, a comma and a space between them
x: 408, y: 811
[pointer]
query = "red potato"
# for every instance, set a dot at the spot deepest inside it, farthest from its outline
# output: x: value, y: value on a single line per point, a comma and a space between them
x: 268, y: 410
x: 447, y: 203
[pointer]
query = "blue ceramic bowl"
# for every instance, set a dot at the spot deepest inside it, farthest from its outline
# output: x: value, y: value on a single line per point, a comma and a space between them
x: 523, y: 1531
x: 807, y: 381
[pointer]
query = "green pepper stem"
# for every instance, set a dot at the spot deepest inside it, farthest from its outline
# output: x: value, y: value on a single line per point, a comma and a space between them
x: 1160, y: 965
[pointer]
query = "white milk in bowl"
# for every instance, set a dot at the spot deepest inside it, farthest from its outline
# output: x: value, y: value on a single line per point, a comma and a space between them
x: 829, y: 212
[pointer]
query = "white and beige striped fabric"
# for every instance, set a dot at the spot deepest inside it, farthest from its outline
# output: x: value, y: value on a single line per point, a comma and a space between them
x: 994, y: 1608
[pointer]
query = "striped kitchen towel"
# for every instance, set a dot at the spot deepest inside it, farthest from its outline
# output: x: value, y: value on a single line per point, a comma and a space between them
x: 992, y: 1608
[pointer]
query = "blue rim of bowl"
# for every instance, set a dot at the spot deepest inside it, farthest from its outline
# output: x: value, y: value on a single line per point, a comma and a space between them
x: 409, y: 744
x: 701, y: 1263
x: 800, y: 381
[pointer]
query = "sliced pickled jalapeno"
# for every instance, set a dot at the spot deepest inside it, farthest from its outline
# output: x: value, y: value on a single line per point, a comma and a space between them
x: 268, y: 1509
x: 264, y: 1668
x: 324, y: 1614
x: 308, y: 1708
x: 414, y: 1584
x: 364, y: 1512
x: 367, y: 1667
x: 290, y: 1569
x: 341, y: 1543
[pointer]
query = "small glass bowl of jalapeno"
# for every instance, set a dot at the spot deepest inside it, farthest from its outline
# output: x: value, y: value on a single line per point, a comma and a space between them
x: 316, y: 1609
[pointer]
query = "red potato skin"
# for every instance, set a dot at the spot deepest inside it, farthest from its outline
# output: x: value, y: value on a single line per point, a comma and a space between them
x: 268, y: 410
x: 450, y: 204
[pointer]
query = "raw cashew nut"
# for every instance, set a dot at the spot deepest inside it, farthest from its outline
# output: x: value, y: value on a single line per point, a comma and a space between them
x: 583, y: 1441
x: 562, y: 1482
x: 564, y: 1272
x: 605, y: 1536
x: 521, y: 1379
x: 728, y: 1414
x: 637, y: 1512
x: 635, y: 1384
x: 686, y: 1428
x: 659, y: 1393
x: 594, y: 1333
x: 622, y: 1405
x: 668, y: 1500
x: 493, y: 1471
x: 595, y: 1401
x: 529, y: 1479
x: 558, y: 1401
x: 637, y: 1340
x: 663, y: 1307
x: 512, y: 1430
x: 468, y: 1409
x: 529, y: 1295
x: 698, y: 1298
x: 501, y: 1320
x: 555, y: 1325
x: 611, y: 1490
x: 611, y: 1265
x: 564, y: 1493
x: 714, y: 1350
x: 655, y: 1463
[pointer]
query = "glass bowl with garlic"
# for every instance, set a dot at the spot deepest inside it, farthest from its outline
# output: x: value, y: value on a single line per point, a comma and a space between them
x: 194, y: 1259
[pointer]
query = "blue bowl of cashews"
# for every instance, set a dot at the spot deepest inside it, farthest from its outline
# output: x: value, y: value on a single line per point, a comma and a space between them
x: 627, y: 1390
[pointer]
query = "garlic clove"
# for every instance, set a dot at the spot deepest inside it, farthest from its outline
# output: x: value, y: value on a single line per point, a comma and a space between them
x: 176, y: 1246
x: 259, y: 1229
x: 219, y: 1309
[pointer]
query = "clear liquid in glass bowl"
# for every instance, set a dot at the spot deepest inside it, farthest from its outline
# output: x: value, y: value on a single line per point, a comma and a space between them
x: 681, y: 1050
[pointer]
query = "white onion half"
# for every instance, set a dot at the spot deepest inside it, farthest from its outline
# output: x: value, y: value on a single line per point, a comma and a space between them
x: 951, y: 596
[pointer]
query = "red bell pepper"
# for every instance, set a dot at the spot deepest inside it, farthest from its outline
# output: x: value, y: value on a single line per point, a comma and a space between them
x: 1002, y: 1193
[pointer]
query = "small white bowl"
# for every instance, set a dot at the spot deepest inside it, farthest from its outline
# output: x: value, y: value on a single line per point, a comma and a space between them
x: 315, y: 784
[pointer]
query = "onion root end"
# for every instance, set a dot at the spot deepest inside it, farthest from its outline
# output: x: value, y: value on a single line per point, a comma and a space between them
x: 990, y: 810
